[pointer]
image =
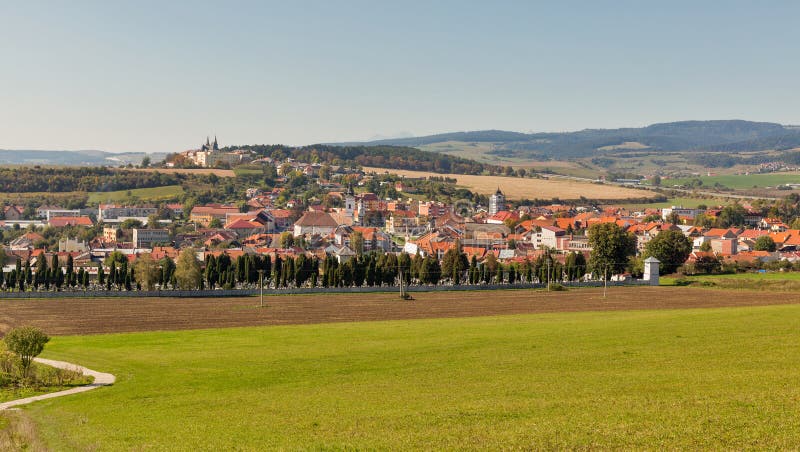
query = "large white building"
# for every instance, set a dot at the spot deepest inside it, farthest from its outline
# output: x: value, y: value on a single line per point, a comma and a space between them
x: 114, y: 212
x: 209, y: 155
x: 315, y: 223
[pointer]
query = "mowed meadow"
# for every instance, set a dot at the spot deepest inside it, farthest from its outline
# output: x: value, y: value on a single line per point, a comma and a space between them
x: 526, y: 188
x: 723, y: 378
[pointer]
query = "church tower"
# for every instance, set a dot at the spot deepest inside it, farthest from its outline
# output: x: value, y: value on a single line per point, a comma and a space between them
x: 349, y: 202
x: 497, y: 202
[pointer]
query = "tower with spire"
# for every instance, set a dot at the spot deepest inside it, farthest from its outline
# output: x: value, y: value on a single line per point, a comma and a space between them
x: 349, y: 202
x: 497, y: 202
x: 209, y: 146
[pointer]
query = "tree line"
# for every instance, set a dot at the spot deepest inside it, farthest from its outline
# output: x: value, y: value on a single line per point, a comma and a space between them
x: 85, y: 179
x: 397, y: 157
x: 373, y: 269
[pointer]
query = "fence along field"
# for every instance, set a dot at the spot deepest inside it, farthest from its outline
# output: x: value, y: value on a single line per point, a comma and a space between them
x: 674, y: 379
x: 524, y: 188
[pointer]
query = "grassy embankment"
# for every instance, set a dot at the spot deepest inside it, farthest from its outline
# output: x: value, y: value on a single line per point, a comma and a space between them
x: 704, y: 378
x: 40, y: 379
x: 770, y: 281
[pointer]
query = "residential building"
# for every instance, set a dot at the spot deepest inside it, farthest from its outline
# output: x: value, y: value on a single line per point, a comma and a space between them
x: 13, y: 212
x: 111, y: 234
x: 114, y: 212
x: 59, y: 222
x: 204, y: 215
x: 145, y: 238
x: 72, y: 246
x: 321, y: 223
x: 432, y: 209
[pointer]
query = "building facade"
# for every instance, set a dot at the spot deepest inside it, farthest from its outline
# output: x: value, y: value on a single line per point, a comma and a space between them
x: 145, y: 238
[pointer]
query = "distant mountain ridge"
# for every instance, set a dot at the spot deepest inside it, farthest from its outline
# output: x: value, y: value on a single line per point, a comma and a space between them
x: 74, y: 158
x: 714, y: 135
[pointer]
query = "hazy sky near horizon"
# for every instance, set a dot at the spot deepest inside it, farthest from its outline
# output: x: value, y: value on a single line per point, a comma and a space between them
x: 160, y: 76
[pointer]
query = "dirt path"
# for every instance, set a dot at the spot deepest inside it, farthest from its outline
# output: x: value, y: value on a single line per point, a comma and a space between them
x: 93, y: 316
x: 100, y: 379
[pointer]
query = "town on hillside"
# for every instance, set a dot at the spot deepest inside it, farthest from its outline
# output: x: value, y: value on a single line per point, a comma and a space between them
x: 364, y: 229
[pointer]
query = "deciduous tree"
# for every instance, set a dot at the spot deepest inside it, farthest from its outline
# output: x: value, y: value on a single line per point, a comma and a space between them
x: 187, y: 270
x: 671, y: 248
x: 26, y: 342
x: 146, y: 271
x: 611, y: 247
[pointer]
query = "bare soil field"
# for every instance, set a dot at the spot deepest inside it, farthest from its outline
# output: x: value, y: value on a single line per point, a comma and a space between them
x: 519, y: 188
x: 218, y: 172
x: 96, y: 315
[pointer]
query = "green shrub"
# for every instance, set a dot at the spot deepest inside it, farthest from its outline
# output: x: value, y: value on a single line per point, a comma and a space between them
x: 26, y: 342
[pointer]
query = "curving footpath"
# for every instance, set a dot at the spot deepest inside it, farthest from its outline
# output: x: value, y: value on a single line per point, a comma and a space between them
x: 100, y: 379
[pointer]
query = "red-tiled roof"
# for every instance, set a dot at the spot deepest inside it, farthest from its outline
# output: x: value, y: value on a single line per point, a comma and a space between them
x: 70, y: 221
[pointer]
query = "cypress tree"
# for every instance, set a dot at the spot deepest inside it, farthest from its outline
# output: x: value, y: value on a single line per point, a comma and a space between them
x: 12, y: 280
x: 70, y: 270
x: 53, y: 265
x: 276, y: 270
x: 41, y: 271
x: 59, y: 278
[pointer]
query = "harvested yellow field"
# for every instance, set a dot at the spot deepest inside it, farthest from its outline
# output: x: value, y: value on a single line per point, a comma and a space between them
x: 519, y: 188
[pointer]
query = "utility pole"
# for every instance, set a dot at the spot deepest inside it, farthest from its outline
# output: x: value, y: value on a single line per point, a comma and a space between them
x: 605, y: 281
x: 548, y: 274
x: 402, y: 291
x: 261, y: 283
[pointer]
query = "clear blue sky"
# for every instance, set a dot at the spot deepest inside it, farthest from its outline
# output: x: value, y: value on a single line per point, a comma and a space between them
x: 160, y: 76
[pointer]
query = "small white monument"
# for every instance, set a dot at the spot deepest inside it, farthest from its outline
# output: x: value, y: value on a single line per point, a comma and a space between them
x: 651, y: 270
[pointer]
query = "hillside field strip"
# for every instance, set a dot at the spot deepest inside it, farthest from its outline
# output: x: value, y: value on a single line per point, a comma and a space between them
x: 524, y: 188
x: 680, y: 202
x: 719, y: 378
x: 166, y: 192
x: 740, y: 182
x: 218, y: 172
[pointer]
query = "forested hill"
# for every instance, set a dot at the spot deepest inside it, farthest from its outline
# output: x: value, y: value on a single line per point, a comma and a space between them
x: 397, y: 157
x: 719, y: 135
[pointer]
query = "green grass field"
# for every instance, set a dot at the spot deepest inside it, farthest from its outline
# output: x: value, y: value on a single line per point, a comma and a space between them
x: 248, y: 172
x: 741, y: 181
x: 685, y: 202
x: 146, y: 194
x: 689, y: 379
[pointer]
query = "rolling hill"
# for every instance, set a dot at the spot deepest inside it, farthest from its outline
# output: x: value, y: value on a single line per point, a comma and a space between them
x: 702, y: 136
x: 74, y: 158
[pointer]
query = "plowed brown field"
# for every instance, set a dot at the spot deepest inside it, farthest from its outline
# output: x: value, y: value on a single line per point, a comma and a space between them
x: 91, y: 316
